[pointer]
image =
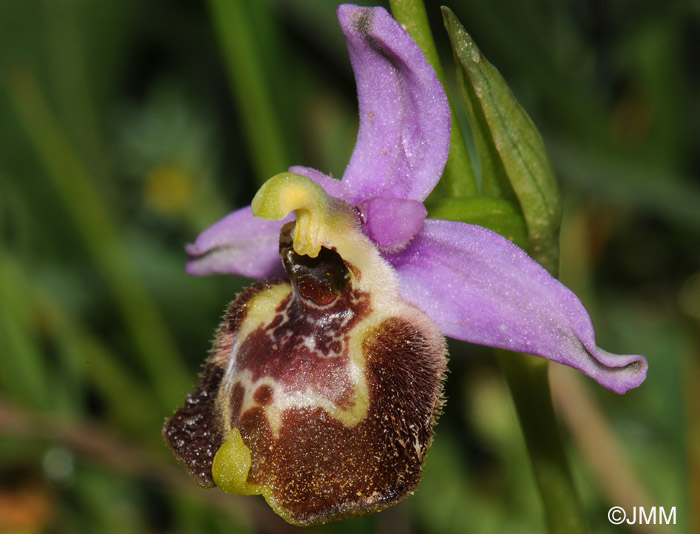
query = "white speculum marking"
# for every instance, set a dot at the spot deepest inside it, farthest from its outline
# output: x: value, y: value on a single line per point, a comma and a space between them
x: 282, y: 398
x: 353, y: 409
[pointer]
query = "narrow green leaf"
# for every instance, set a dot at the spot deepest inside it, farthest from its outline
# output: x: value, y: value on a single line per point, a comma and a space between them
x: 496, y: 214
x: 514, y: 164
x: 511, y: 149
x: 130, y: 404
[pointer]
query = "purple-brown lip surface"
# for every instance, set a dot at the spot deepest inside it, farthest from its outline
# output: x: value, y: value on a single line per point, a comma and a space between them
x: 284, y: 383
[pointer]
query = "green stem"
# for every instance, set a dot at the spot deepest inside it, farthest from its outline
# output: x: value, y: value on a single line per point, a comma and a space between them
x: 458, y: 179
x: 241, y: 47
x: 528, y: 380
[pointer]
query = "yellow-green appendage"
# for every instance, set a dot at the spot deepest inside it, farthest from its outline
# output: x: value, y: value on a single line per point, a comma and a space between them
x: 231, y: 465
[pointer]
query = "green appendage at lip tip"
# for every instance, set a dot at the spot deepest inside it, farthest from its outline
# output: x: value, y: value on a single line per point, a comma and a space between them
x: 231, y: 466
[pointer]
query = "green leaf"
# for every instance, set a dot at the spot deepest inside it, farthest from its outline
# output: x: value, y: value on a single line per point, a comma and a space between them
x: 496, y: 214
x: 513, y: 158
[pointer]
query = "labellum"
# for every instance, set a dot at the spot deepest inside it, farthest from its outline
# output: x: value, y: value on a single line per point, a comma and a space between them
x: 321, y: 391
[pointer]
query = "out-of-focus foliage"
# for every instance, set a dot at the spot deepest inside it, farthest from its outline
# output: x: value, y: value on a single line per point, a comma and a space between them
x: 124, y: 134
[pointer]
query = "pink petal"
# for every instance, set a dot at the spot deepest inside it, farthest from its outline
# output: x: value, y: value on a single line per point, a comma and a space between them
x: 238, y: 244
x: 481, y: 288
x: 391, y: 222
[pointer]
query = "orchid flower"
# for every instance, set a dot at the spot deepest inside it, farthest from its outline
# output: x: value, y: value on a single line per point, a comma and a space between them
x: 324, y: 382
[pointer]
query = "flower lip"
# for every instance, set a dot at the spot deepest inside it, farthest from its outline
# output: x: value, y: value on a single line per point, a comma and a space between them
x: 328, y: 384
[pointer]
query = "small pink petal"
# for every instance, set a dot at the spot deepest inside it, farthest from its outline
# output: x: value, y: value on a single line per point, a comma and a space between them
x: 391, y: 222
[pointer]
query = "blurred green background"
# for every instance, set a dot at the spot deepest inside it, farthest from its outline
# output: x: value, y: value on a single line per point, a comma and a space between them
x: 127, y: 127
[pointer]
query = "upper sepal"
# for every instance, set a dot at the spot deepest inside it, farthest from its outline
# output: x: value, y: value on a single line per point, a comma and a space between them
x: 404, y: 132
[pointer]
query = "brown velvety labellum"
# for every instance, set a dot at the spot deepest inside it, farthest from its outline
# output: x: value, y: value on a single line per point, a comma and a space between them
x: 334, y: 392
x: 321, y: 469
x: 194, y: 433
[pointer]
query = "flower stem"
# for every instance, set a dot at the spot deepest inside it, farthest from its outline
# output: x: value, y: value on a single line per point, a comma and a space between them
x: 458, y: 180
x: 528, y: 380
